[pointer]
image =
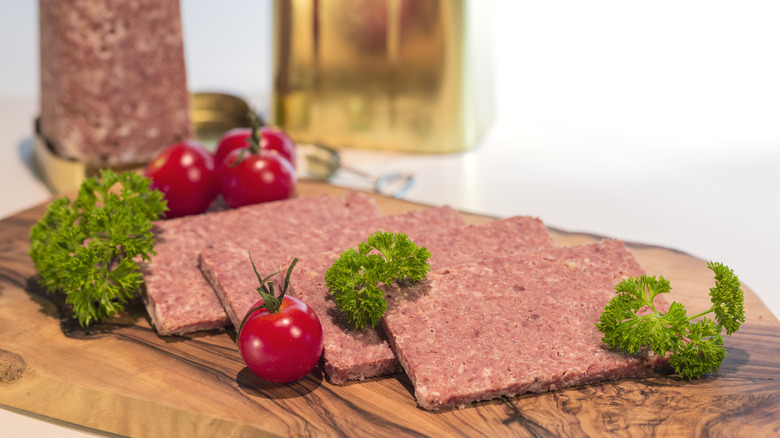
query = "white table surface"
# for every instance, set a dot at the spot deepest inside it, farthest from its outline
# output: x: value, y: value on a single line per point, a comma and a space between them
x: 656, y: 123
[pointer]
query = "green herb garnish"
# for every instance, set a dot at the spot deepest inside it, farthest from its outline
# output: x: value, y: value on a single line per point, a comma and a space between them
x: 696, y: 347
x: 357, y: 276
x: 87, y: 248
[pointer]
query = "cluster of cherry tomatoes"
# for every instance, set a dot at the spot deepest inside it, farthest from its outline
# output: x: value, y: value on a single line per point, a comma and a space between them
x: 249, y: 166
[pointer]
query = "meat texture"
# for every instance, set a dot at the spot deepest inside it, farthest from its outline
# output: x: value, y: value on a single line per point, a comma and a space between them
x: 511, y: 325
x: 350, y: 354
x: 228, y: 269
x: 347, y: 353
x: 113, y: 79
x: 178, y: 297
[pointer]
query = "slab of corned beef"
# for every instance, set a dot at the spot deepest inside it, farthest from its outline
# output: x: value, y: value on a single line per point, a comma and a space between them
x: 512, y: 325
x: 228, y: 269
x: 350, y: 354
x: 179, y: 299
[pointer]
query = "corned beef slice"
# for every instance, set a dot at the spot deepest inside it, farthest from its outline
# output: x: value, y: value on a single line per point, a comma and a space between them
x: 227, y: 266
x: 503, y: 237
x: 177, y: 296
x: 512, y: 325
x: 350, y: 354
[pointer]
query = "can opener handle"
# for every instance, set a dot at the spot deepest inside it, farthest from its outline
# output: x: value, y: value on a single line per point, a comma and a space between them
x: 323, y: 162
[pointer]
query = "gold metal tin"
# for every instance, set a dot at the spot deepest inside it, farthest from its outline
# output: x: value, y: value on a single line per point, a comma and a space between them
x: 405, y: 75
x: 64, y: 175
x: 213, y: 114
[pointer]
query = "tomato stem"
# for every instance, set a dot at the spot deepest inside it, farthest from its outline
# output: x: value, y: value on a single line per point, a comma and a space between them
x: 271, y: 302
x: 254, y: 139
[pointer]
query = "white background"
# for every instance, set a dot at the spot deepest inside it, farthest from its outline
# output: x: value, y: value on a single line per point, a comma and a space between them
x: 656, y: 122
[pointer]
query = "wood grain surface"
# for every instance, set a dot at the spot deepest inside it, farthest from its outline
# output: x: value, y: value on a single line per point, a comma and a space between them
x: 120, y: 377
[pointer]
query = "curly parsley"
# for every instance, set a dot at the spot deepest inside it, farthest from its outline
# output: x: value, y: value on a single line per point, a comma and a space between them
x: 87, y: 248
x: 696, y: 348
x: 356, y: 277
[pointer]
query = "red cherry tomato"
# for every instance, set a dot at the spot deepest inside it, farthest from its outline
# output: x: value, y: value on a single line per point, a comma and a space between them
x: 282, y: 346
x: 236, y: 138
x: 186, y: 174
x: 274, y: 139
x: 258, y: 177
x: 271, y: 139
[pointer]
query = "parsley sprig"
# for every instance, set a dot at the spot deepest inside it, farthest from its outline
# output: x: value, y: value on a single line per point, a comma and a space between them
x: 696, y: 347
x: 88, y: 248
x: 356, y: 278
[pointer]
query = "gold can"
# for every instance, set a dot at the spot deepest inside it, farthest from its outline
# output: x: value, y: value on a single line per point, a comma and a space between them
x: 403, y: 75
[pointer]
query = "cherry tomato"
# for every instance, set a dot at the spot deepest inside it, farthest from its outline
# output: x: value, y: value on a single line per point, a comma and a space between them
x: 236, y: 138
x: 282, y: 346
x: 274, y: 139
x: 257, y: 177
x: 271, y: 139
x: 186, y: 174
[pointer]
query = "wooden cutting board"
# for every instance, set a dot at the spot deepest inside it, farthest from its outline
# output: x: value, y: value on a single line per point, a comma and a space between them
x: 120, y: 377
